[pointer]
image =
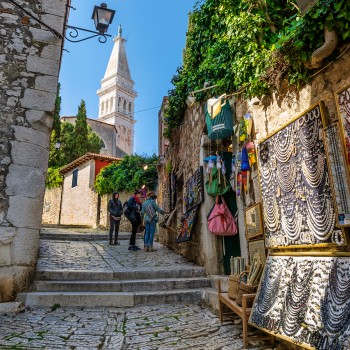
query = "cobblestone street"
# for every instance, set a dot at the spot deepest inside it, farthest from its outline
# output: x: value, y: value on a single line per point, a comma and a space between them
x: 69, y: 268
x: 144, y: 328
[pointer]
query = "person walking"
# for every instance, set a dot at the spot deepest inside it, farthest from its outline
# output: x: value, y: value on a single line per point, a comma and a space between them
x: 132, y: 212
x: 115, y: 209
x: 149, y: 214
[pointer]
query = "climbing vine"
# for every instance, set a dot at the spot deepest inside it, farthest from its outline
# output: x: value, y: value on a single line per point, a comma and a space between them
x: 251, y: 45
x: 128, y: 175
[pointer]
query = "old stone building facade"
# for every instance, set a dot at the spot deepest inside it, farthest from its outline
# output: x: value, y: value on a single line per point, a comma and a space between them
x: 190, y: 145
x: 77, y: 202
x: 30, y: 57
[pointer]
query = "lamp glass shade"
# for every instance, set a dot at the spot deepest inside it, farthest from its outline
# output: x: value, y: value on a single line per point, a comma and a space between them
x: 57, y: 144
x: 102, y: 17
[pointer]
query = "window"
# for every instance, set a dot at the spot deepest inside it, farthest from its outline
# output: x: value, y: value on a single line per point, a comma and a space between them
x: 106, y: 106
x: 112, y: 100
x: 129, y: 106
x: 119, y: 101
x: 124, y: 105
x: 75, y: 178
x: 102, y: 107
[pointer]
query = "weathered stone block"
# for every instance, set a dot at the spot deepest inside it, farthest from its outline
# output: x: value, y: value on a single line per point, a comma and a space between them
x: 25, y: 247
x: 30, y: 135
x: 51, y: 51
x: 25, y: 212
x: 24, y: 153
x: 54, y: 6
x: 43, y: 65
x: 46, y: 83
x: 45, y: 36
x: 40, y: 120
x: 40, y: 100
x: 14, y: 279
x: 7, y: 234
x: 24, y: 180
x: 5, y: 255
x: 54, y: 21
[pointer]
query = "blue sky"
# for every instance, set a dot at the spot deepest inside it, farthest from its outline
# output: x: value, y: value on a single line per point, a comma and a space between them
x: 156, y: 33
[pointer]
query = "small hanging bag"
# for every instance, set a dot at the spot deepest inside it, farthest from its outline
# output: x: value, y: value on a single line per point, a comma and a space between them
x: 221, y: 221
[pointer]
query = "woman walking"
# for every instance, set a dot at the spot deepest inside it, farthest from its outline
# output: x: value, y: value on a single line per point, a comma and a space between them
x: 115, y: 209
x: 149, y: 213
x: 133, y: 214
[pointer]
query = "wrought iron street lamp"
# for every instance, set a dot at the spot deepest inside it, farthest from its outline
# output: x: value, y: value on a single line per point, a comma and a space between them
x: 102, y: 16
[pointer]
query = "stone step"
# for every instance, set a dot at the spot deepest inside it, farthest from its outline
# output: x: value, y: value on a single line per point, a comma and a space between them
x: 122, y: 286
x: 102, y: 275
x: 100, y: 299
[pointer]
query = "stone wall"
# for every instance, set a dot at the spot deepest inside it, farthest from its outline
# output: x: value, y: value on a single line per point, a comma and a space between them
x: 188, y: 148
x: 185, y: 155
x: 52, y: 204
x: 30, y: 57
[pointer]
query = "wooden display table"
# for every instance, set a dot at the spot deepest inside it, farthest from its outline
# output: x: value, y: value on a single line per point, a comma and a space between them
x: 242, y: 311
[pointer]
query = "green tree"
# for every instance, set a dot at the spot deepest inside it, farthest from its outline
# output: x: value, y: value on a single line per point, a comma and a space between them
x: 128, y: 175
x: 54, y: 178
x: 94, y: 143
x: 81, y: 132
x: 56, y: 130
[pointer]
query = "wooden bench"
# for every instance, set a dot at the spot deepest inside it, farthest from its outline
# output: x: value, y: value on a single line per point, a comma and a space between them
x: 242, y: 311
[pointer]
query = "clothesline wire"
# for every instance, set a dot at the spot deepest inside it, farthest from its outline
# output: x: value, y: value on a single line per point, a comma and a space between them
x: 144, y: 110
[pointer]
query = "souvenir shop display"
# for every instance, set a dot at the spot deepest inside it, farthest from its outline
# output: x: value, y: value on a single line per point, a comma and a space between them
x: 256, y: 251
x: 214, y: 105
x: 186, y: 226
x: 216, y: 185
x: 238, y: 265
x: 173, y: 192
x: 219, y: 125
x: 339, y: 171
x: 220, y: 220
x: 342, y: 98
x: 305, y: 300
x: 248, y: 282
x: 193, y: 191
x: 253, y: 221
x: 233, y: 173
x: 251, y: 153
x: 297, y: 198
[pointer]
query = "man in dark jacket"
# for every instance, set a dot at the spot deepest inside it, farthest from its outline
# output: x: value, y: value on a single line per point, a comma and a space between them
x: 115, y: 209
x: 134, y: 207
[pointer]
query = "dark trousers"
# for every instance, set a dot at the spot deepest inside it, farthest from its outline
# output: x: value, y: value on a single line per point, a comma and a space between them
x: 114, y: 226
x: 135, y: 225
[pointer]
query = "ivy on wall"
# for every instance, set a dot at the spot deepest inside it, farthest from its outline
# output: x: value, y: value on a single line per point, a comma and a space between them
x: 252, y: 45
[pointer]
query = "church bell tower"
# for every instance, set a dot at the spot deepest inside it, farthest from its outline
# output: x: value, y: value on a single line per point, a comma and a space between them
x: 117, y: 96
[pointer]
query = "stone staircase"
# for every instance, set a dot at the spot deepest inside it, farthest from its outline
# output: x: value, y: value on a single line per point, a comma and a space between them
x: 112, y: 276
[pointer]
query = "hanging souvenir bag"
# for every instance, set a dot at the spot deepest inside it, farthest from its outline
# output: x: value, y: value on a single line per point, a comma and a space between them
x: 221, y: 221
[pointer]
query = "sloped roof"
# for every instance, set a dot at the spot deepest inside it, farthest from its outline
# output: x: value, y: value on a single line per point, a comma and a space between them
x: 85, y: 158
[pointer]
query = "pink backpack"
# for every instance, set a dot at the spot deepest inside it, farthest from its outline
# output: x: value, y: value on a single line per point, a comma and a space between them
x: 221, y: 221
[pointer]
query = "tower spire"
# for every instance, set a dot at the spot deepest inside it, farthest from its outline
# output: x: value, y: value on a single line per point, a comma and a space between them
x: 117, y: 95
